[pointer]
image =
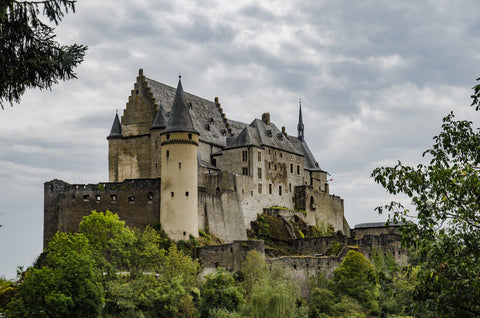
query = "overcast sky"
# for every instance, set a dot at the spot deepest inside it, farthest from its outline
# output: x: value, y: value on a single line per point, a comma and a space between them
x: 375, y: 79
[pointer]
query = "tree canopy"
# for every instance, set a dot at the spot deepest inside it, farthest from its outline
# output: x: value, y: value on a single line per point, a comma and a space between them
x: 29, y: 55
x: 446, y: 228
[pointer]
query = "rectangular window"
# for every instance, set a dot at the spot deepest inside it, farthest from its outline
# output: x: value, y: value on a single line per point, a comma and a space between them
x: 259, y: 173
x: 279, y: 190
x: 245, y: 171
x: 298, y: 169
x: 291, y: 168
x: 270, y: 188
x: 289, y: 187
x: 244, y: 155
x: 259, y: 188
x: 259, y: 156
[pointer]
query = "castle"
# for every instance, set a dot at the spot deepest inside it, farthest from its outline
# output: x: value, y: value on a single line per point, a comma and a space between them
x: 176, y: 159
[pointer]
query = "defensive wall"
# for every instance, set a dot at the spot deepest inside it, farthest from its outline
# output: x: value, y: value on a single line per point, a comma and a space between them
x: 229, y: 256
x: 137, y: 202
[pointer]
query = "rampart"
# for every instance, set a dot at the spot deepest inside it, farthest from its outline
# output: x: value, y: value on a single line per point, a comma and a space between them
x: 137, y: 202
x: 229, y: 256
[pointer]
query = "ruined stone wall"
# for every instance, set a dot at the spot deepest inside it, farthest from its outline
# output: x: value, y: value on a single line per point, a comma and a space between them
x: 229, y: 256
x: 321, y: 207
x: 383, y: 243
x: 305, y: 268
x: 137, y: 202
x: 319, y: 246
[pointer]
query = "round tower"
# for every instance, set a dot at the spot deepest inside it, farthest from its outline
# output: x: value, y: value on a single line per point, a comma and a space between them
x: 179, y: 185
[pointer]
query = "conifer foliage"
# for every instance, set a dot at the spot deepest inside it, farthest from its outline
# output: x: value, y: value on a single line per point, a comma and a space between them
x: 29, y: 55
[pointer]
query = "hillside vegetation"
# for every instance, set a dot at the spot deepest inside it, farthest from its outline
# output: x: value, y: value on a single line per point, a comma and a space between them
x: 109, y: 270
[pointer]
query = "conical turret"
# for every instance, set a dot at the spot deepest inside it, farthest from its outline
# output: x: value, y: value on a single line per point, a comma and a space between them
x: 180, y: 119
x: 116, y: 131
x: 160, y: 121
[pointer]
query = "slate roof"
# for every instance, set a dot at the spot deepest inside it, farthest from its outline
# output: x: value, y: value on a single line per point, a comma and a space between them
x: 215, y: 128
x: 261, y: 134
x: 160, y: 121
x: 310, y: 162
x: 179, y: 119
x: 116, y: 131
x: 206, y: 116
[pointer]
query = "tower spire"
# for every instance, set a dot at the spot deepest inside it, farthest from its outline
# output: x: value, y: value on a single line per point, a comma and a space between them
x: 300, y: 126
x: 180, y: 119
x: 116, y: 131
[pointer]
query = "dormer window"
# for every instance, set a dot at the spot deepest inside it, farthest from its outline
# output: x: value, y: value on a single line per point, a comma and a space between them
x: 269, y: 133
x: 210, y: 120
x: 190, y: 106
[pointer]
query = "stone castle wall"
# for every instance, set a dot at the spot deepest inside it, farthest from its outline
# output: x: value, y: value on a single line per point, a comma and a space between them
x: 137, y: 202
x: 229, y: 256
x: 384, y: 243
x: 219, y: 207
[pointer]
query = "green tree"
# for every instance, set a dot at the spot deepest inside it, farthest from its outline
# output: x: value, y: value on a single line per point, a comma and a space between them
x: 355, y: 277
x: 270, y: 292
x: 67, y: 286
x: 29, y: 55
x: 110, y: 241
x: 321, y: 303
x: 219, y: 291
x: 446, y: 197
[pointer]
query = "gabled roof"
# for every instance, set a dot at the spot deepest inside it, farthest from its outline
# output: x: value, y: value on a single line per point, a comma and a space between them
x: 261, y: 134
x: 179, y: 119
x: 116, y: 131
x: 206, y: 116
